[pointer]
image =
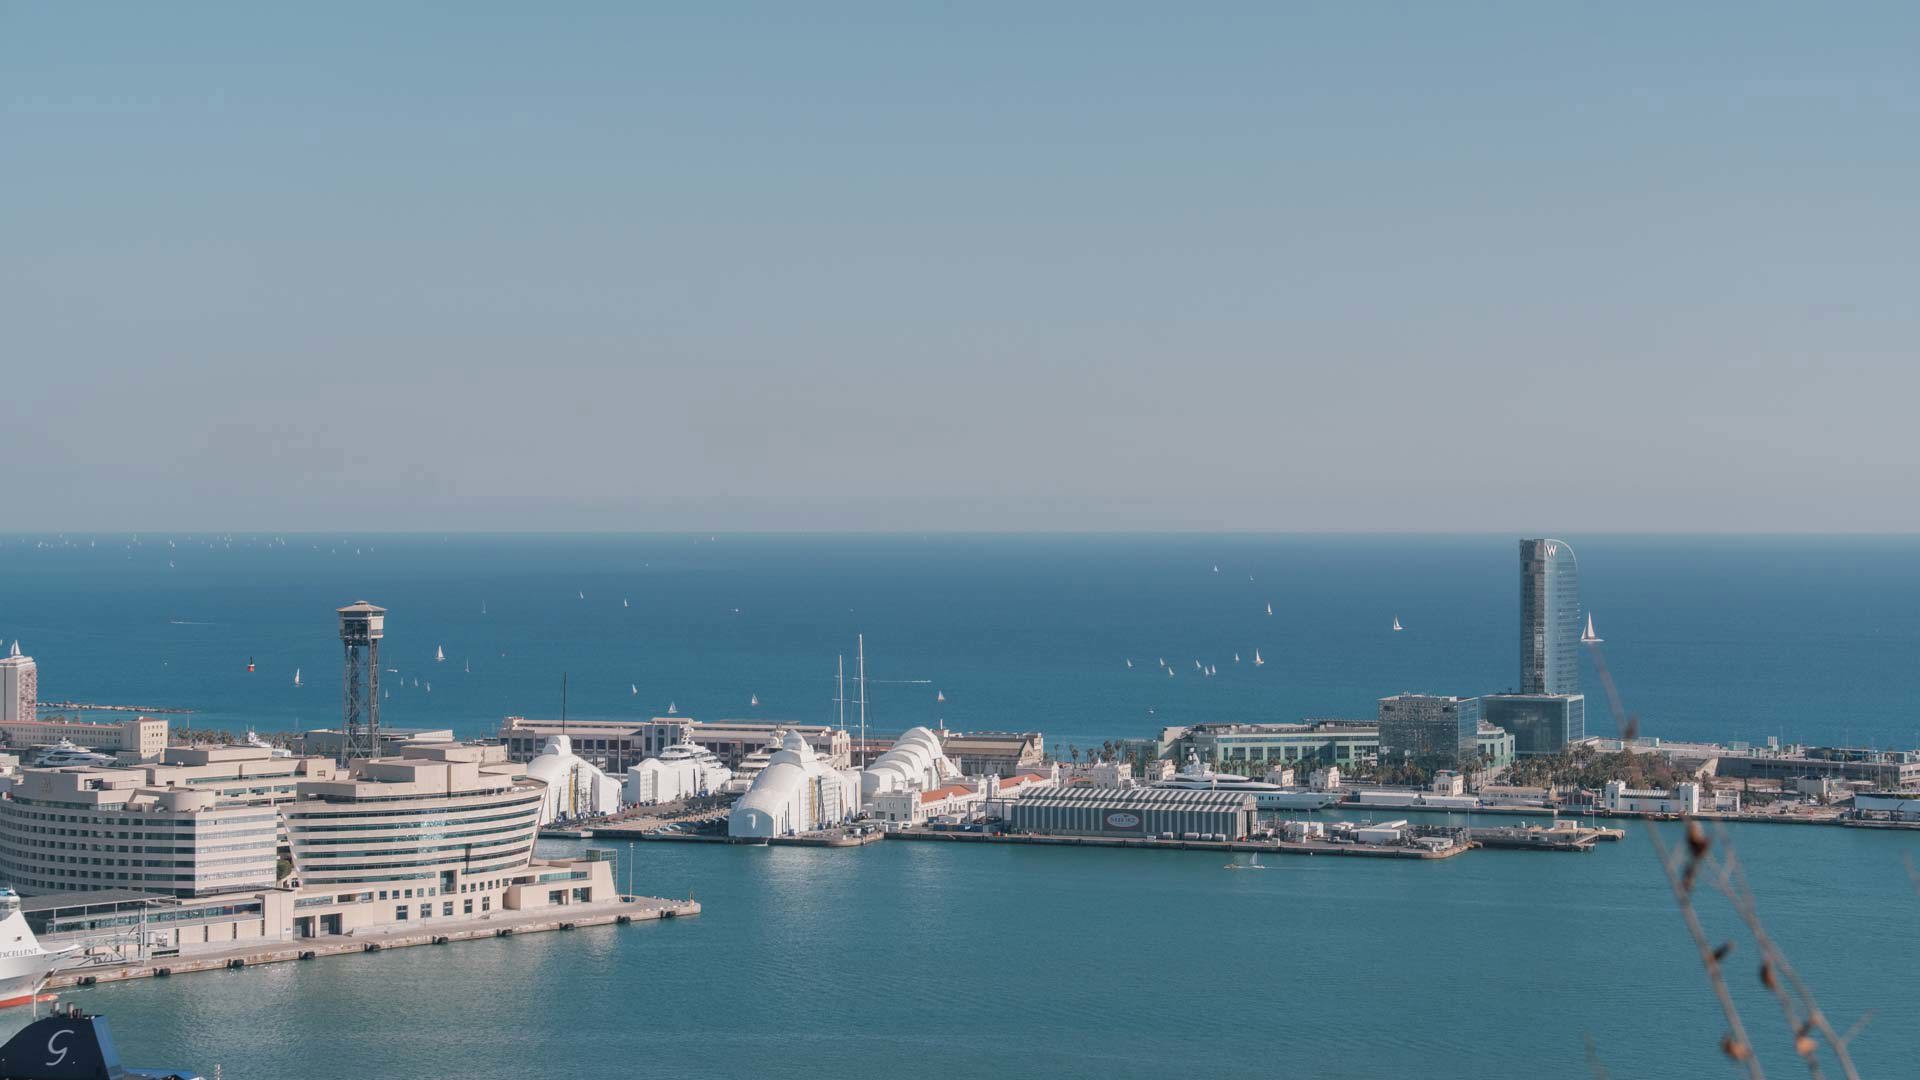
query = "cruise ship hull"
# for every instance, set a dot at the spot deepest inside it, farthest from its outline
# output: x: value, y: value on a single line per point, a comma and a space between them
x: 21, y: 976
x: 23, y: 963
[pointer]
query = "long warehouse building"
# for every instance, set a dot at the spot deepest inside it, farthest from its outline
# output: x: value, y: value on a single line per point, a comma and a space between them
x: 1113, y: 811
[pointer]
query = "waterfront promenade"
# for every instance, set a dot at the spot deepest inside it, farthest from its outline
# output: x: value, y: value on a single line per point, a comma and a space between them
x: 630, y: 909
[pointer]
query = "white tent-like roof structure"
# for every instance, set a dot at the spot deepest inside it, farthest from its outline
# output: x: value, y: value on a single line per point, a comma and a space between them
x: 915, y: 760
x: 797, y: 792
x: 575, y: 787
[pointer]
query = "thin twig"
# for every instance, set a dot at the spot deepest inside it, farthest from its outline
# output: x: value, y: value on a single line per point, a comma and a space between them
x: 1732, y: 881
x: 1680, y: 878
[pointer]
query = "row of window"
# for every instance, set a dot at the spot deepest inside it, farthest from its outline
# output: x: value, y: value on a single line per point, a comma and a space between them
x: 306, y: 867
x: 373, y: 846
x: 306, y: 831
x: 410, y: 873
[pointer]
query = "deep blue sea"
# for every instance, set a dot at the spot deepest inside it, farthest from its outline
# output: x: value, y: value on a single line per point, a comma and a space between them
x: 1709, y: 637
x: 935, y: 960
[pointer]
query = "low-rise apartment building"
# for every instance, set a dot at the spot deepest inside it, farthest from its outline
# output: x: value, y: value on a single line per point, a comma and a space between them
x: 141, y: 737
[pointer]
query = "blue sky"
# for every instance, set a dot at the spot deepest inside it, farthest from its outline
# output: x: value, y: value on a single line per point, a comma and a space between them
x: 1455, y: 267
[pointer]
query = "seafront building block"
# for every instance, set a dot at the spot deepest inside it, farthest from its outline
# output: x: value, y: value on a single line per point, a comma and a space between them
x: 441, y: 832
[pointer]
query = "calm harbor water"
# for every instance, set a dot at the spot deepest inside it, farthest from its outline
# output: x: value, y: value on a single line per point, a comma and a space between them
x: 917, y: 959
x: 927, y: 959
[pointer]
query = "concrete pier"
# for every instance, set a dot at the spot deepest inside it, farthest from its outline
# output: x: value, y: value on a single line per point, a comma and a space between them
x: 1267, y: 847
x: 429, y: 932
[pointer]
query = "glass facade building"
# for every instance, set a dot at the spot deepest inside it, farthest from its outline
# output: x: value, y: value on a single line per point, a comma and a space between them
x: 1442, y: 731
x: 1541, y: 723
x: 1549, y: 618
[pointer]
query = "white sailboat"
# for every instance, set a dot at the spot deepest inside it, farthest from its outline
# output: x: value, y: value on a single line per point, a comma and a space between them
x: 1236, y: 658
x: 483, y: 607
x: 1257, y: 662
x: 1254, y: 865
x: 624, y: 603
x: 429, y: 687
x: 1396, y: 623
x: 671, y: 710
x: 466, y: 666
x: 439, y: 655
x: 296, y: 676
x: 1129, y: 663
x: 1590, y: 638
x: 754, y: 700
x: 583, y: 593
x: 1169, y: 673
x: 939, y: 695
x: 633, y: 688
x: 1269, y: 609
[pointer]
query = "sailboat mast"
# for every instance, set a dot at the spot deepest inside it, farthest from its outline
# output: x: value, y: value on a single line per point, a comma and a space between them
x: 860, y: 641
x: 840, y: 688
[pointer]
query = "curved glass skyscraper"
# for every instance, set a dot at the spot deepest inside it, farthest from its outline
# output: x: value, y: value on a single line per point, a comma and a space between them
x: 1549, y: 618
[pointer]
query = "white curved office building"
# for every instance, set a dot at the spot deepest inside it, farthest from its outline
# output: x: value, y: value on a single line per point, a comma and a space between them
x: 680, y: 771
x: 575, y: 787
x: 799, y: 791
x: 914, y: 761
x: 429, y: 822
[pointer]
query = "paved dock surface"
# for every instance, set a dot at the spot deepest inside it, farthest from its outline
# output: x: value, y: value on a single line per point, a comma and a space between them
x: 430, y: 932
x: 1270, y: 847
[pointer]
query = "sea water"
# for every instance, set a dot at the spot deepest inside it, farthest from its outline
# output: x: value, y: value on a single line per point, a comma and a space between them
x: 973, y: 961
x: 1709, y: 637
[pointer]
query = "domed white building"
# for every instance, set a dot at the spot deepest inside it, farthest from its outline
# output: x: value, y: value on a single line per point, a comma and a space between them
x: 681, y: 771
x: 575, y: 786
x: 798, y: 791
x: 914, y: 761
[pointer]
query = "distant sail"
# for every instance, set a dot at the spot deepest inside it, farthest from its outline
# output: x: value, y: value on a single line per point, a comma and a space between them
x: 296, y: 676
x: 439, y: 655
x: 1590, y: 638
x: 671, y: 710
x: 1396, y: 623
x: 755, y: 700
x: 1129, y: 663
x: 633, y: 688
x: 1236, y: 658
x: 1269, y: 609
x: 624, y: 603
x: 1256, y: 658
x: 939, y: 695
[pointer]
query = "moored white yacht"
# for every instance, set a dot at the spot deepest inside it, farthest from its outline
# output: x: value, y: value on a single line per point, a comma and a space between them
x: 64, y: 754
x: 253, y: 739
x: 1198, y: 776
